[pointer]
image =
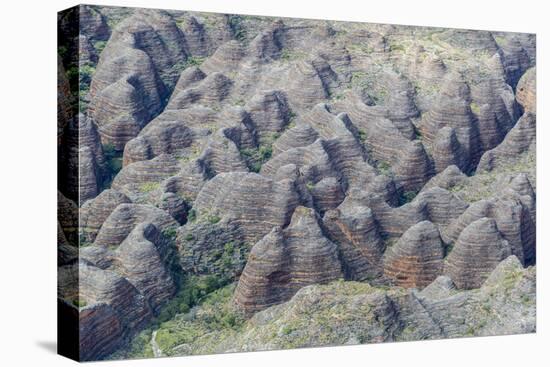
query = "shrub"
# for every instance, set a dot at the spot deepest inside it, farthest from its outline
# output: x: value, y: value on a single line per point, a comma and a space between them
x: 265, y: 152
x: 384, y: 168
x: 407, y: 197
x: 85, y: 74
x: 362, y: 134
x: 170, y: 233
x: 192, y: 215
x: 256, y: 157
x: 79, y: 303
x: 239, y: 32
x: 194, y: 61
x: 62, y: 51
x: 99, y: 46
x: 475, y: 108
x: 256, y: 167
x: 189, y: 237
x: 149, y: 186
x: 213, y: 219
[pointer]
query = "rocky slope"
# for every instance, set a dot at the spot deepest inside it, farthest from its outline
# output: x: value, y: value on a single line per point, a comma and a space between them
x: 395, y: 164
x: 345, y: 313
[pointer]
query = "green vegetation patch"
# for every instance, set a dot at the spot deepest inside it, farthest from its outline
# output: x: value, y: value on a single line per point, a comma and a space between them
x: 256, y: 157
x: 177, y: 325
x: 149, y: 186
x: 407, y: 197
x: 384, y: 168
x: 237, y: 27
x: 191, y: 61
x: 99, y: 46
x: 113, y: 164
x: 291, y: 55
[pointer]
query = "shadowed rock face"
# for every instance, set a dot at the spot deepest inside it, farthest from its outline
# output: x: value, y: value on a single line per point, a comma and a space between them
x: 278, y: 154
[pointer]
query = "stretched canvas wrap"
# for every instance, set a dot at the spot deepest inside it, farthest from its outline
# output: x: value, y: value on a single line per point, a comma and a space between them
x: 235, y: 183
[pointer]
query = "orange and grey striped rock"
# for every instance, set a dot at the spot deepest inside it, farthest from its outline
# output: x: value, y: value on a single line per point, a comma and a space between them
x: 297, y: 136
x: 106, y: 286
x: 413, y: 168
x: 353, y: 228
x: 143, y: 258
x: 520, y: 139
x: 342, y: 123
x: 94, y: 212
x: 187, y: 78
x: 255, y: 203
x: 313, y: 161
x: 101, y: 332
x: 93, y: 23
x: 478, y: 250
x: 452, y: 109
x: 286, y: 260
x: 450, y: 177
x: 435, y: 204
x: 417, y: 257
x: 517, y: 53
x: 90, y: 160
x: 188, y: 183
x: 326, y: 194
x: 126, y: 217
x: 267, y: 45
x: 135, y: 74
x: 209, y: 91
x: 528, y: 218
x: 221, y: 154
x: 269, y: 113
x: 447, y: 151
x: 227, y: 57
x: 160, y: 136
x: 195, y: 36
x: 513, y: 217
x: 143, y: 177
x: 122, y: 289
x: 301, y: 74
x: 526, y: 91
x: 493, y: 104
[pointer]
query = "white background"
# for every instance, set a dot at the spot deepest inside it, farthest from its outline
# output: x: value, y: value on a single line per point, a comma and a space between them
x: 28, y: 182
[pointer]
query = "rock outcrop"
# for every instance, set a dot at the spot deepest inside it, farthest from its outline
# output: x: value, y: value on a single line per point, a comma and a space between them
x: 417, y: 257
x: 526, y: 91
x: 286, y: 260
x: 344, y: 313
x: 298, y: 160
x: 478, y: 250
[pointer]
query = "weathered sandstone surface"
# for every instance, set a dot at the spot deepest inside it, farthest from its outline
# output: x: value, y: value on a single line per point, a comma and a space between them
x: 354, y: 182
